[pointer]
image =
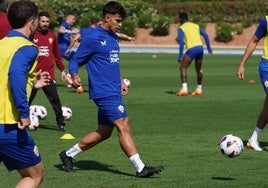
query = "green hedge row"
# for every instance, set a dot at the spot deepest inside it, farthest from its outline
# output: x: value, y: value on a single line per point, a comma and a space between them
x: 159, y: 15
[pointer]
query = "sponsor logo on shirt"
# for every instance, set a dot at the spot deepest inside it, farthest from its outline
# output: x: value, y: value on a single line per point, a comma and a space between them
x: 43, y: 51
x: 114, y: 56
x: 35, y: 40
x: 103, y: 43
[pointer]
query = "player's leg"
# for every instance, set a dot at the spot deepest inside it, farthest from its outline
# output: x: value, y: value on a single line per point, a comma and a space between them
x: 32, y: 96
x: 20, y: 153
x: 53, y: 97
x: 88, y: 141
x: 263, y: 116
x: 199, y: 77
x: 125, y: 137
x: 31, y: 176
x: 197, y: 54
x: 184, y: 64
x: 128, y: 146
x: 198, y: 69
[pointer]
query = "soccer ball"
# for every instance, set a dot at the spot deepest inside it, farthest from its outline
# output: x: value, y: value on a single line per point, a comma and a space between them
x: 34, y: 122
x: 66, y: 112
x: 39, y: 111
x: 127, y: 82
x: 231, y: 146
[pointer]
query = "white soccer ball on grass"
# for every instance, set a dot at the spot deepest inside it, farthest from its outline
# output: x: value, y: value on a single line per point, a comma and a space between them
x: 66, y: 112
x: 231, y: 146
x: 39, y: 111
x: 34, y: 122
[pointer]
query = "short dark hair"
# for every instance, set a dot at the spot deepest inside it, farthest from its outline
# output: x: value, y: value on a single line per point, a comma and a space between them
x: 20, y: 12
x: 94, y: 20
x: 114, y: 7
x: 183, y: 16
x: 43, y: 13
x: 3, y: 5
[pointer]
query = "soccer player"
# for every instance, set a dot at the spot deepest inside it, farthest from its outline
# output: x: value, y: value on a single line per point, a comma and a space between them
x: 66, y: 34
x: 189, y: 34
x: 261, y: 32
x: 17, y: 77
x: 99, y: 52
x: 49, y: 55
x: 4, y: 26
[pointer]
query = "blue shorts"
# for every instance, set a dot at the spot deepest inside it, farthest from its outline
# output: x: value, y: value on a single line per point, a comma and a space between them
x: 17, y: 148
x: 110, y: 109
x: 263, y: 72
x: 196, y: 52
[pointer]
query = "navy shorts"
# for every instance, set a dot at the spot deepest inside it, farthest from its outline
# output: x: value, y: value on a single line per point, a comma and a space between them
x: 17, y: 148
x: 196, y: 52
x: 110, y: 109
x: 263, y: 72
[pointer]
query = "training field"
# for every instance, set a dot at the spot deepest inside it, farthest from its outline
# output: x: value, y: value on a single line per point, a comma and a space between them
x: 180, y: 133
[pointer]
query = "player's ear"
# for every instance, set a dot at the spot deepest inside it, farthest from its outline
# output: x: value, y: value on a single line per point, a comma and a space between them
x: 107, y: 17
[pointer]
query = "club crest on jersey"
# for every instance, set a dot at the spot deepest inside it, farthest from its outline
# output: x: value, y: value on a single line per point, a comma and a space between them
x: 121, y: 108
x: 266, y: 83
x: 35, y: 40
x: 50, y: 40
x: 36, y: 151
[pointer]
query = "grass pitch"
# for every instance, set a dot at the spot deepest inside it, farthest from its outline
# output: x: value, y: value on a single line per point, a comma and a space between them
x: 180, y: 133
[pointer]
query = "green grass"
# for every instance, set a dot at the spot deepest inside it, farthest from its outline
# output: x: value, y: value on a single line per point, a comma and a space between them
x: 180, y: 133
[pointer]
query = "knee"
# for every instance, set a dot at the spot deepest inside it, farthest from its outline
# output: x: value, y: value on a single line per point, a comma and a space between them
x: 38, y: 179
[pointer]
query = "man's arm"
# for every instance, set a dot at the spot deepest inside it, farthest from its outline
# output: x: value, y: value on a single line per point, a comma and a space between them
x: 247, y: 53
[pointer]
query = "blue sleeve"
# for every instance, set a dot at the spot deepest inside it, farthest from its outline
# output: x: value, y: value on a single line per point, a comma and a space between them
x: 205, y: 35
x: 181, y: 43
x: 261, y: 29
x: 82, y: 55
x: 21, y: 63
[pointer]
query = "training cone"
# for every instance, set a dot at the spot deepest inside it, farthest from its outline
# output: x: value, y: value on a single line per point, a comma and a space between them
x: 67, y: 137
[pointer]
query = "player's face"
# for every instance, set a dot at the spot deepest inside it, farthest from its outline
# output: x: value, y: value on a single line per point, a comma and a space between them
x: 71, y: 19
x: 44, y: 23
x: 114, y: 22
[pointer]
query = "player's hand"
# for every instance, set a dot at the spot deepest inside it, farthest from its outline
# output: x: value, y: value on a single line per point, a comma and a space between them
x: 41, y: 79
x: 63, y: 76
x: 124, y: 88
x: 24, y: 123
x: 76, y: 81
x: 240, y: 72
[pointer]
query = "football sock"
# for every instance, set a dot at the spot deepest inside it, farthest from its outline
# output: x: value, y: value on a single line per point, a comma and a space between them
x: 257, y: 131
x: 137, y: 162
x: 73, y: 151
x: 184, y: 86
x: 199, y: 87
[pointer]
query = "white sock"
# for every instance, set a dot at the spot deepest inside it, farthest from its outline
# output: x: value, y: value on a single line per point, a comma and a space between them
x: 137, y: 162
x: 257, y: 131
x: 73, y: 151
x: 184, y: 86
x: 199, y: 87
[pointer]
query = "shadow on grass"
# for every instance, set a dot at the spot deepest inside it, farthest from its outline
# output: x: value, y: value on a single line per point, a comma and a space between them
x: 93, y: 165
x: 222, y: 178
x: 171, y: 92
x: 48, y: 127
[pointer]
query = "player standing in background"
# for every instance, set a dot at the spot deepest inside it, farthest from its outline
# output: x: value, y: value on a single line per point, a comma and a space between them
x: 49, y: 55
x: 17, y: 77
x: 65, y: 35
x: 189, y: 34
x: 99, y: 52
x: 4, y: 24
x: 261, y: 32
